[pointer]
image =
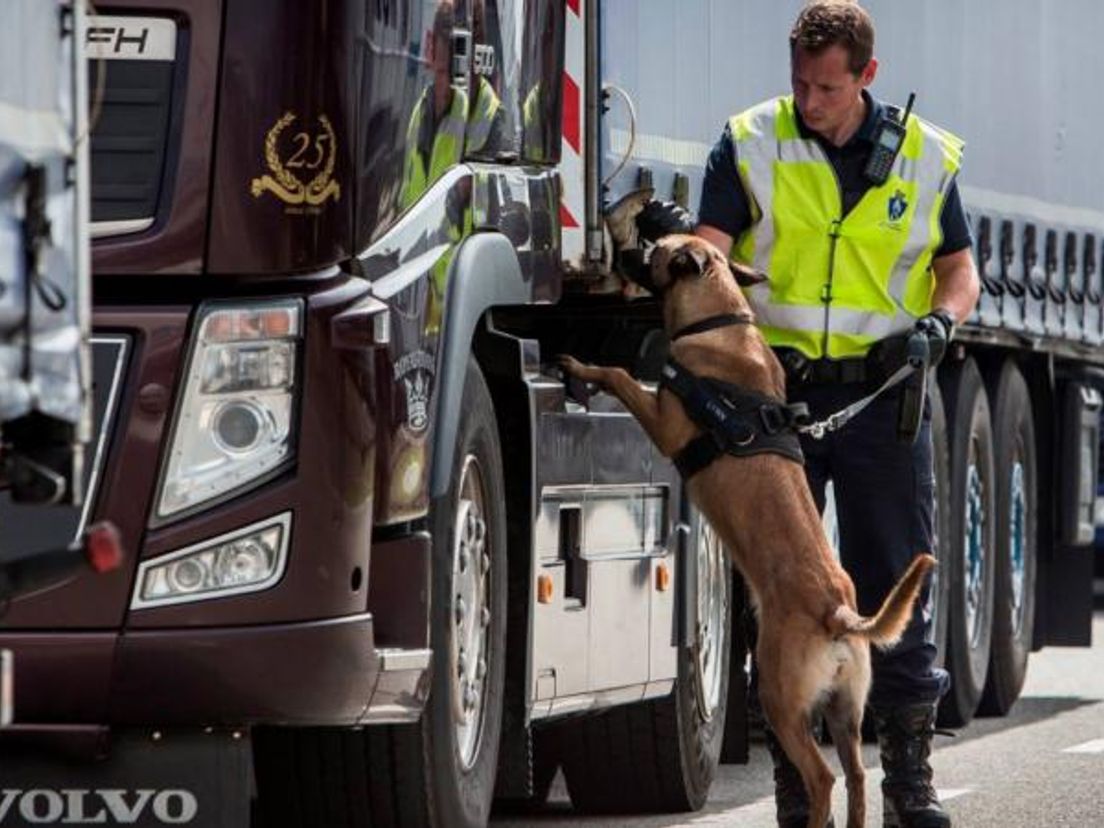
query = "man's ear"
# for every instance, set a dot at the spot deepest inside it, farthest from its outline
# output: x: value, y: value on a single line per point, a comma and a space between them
x: 688, y: 260
x: 747, y: 276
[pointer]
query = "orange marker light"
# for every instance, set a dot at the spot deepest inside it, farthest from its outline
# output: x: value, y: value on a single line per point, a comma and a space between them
x: 663, y: 577
x: 545, y: 587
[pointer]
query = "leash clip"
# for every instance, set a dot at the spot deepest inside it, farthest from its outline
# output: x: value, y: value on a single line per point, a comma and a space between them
x: 816, y: 430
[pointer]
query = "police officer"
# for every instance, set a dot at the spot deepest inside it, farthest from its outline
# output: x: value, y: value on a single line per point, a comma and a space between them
x: 442, y: 128
x: 853, y: 266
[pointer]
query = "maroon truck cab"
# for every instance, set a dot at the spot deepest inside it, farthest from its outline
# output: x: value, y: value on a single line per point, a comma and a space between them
x: 264, y: 421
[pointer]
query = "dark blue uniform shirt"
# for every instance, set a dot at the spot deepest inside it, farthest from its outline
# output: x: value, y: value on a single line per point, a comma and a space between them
x: 724, y: 204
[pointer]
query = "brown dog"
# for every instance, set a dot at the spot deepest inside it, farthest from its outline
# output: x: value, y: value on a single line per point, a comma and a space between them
x: 814, y: 647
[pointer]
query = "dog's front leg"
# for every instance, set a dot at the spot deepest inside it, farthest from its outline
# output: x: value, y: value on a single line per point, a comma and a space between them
x: 642, y: 404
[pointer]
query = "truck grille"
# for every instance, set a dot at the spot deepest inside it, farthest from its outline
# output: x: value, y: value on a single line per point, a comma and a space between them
x: 29, y: 529
x: 133, y: 60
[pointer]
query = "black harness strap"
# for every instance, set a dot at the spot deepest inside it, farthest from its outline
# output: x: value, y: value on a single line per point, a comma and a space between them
x: 734, y: 420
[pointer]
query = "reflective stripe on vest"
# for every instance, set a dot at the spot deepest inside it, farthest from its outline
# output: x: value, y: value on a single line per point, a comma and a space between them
x: 418, y: 176
x: 487, y: 104
x: 838, y: 284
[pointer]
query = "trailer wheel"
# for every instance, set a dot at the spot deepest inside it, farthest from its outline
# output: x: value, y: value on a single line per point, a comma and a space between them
x: 1015, y: 563
x: 941, y: 524
x: 971, y: 542
x: 440, y: 771
x: 660, y: 756
x: 545, y: 765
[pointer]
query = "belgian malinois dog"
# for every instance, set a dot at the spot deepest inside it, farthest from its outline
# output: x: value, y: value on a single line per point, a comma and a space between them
x: 813, y: 648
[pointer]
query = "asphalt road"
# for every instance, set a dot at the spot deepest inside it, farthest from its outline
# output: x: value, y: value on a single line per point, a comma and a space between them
x: 1043, y: 765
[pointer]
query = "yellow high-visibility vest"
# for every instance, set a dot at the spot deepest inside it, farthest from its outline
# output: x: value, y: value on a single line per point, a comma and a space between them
x: 454, y: 132
x: 838, y: 283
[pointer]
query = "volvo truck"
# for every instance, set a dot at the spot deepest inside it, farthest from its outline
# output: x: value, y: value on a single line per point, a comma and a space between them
x: 383, y: 565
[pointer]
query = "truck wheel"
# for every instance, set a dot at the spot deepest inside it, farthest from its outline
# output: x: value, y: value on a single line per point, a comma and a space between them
x: 941, y: 529
x: 459, y: 731
x: 660, y: 756
x: 1015, y: 563
x: 971, y: 542
x: 440, y: 771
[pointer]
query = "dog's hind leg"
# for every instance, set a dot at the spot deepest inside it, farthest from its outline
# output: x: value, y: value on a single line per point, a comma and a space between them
x: 791, y: 727
x: 844, y: 715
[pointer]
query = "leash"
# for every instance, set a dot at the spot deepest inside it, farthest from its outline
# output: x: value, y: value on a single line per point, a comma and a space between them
x: 834, y: 422
x: 917, y: 358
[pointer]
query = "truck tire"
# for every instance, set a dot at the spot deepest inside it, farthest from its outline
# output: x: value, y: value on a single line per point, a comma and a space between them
x: 941, y: 524
x: 439, y: 772
x: 545, y: 765
x: 971, y: 542
x: 660, y: 756
x: 1015, y: 562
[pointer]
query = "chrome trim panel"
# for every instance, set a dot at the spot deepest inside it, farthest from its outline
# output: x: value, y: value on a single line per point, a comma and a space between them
x: 112, y: 37
x: 103, y: 229
x: 106, y: 422
x: 619, y: 522
x: 392, y: 659
x: 592, y: 702
x: 6, y: 681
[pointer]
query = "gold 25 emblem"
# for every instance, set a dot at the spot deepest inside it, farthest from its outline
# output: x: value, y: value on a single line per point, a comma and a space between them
x: 315, y: 154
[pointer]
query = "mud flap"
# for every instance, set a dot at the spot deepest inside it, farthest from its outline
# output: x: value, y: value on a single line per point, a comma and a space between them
x: 148, y: 780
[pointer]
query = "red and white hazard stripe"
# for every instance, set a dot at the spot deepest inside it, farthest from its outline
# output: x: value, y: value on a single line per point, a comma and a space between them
x: 572, y: 169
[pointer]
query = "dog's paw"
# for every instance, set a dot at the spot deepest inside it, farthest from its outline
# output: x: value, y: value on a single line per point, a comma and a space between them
x: 571, y: 366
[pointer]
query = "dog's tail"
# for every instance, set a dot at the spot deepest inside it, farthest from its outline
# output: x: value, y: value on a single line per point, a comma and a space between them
x: 885, y: 629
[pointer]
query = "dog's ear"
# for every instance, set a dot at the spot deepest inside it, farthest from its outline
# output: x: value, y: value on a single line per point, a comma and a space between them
x: 688, y: 260
x: 747, y: 276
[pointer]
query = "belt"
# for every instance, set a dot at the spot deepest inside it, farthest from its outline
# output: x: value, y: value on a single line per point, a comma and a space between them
x: 800, y: 370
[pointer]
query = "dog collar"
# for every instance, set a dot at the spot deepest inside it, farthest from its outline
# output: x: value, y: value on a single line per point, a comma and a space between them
x: 721, y: 320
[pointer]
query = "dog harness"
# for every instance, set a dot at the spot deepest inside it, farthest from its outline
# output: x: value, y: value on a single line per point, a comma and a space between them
x: 733, y: 420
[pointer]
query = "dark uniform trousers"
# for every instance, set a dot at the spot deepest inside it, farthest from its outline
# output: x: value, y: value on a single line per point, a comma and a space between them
x: 884, y: 495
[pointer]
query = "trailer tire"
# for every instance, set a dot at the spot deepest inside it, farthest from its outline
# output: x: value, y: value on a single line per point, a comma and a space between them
x: 1015, y: 563
x: 430, y: 773
x: 971, y: 542
x: 941, y: 524
x: 545, y: 765
x: 658, y: 756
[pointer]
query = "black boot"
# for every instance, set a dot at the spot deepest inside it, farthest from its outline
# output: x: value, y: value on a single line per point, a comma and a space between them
x: 908, y: 796
x: 791, y: 801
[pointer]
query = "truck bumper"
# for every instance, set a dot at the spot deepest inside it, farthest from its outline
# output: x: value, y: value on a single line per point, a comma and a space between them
x: 312, y: 673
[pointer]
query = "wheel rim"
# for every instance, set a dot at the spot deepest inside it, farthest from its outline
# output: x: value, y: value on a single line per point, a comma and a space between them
x: 471, y: 615
x: 1017, y: 537
x: 975, y: 548
x: 711, y: 636
x: 931, y: 609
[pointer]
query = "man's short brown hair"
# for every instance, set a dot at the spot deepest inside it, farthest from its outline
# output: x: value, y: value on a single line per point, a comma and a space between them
x: 825, y: 23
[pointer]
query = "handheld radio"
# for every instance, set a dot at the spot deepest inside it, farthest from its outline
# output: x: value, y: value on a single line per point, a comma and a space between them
x: 888, y: 140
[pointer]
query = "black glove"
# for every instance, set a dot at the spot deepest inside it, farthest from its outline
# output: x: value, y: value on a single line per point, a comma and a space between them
x: 938, y: 327
x: 662, y: 218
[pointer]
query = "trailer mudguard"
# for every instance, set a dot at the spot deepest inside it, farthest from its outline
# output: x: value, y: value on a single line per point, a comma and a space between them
x: 485, y: 273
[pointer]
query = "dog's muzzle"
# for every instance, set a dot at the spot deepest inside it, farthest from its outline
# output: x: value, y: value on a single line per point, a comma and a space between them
x: 637, y: 269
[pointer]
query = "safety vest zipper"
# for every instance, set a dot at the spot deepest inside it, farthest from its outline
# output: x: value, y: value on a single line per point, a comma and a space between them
x: 826, y: 293
x: 834, y: 235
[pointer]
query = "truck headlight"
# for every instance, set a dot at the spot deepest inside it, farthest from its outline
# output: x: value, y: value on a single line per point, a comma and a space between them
x: 234, y: 424
x: 250, y: 559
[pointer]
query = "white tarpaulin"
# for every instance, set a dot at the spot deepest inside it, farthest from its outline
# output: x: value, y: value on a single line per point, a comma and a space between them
x: 43, y: 277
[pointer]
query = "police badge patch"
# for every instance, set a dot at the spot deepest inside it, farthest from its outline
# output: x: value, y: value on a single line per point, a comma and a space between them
x: 898, y: 204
